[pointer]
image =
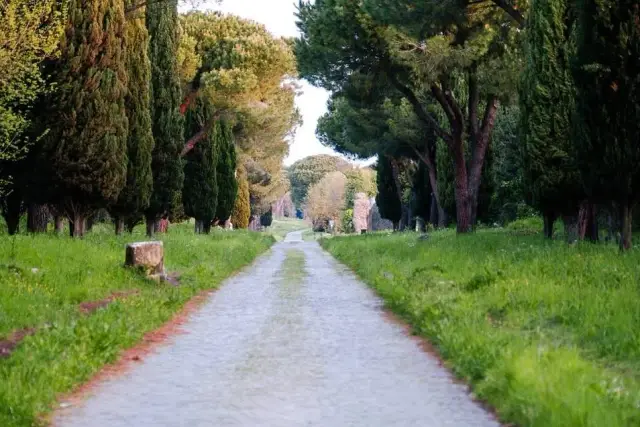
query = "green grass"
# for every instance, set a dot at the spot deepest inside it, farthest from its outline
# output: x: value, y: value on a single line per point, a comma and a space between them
x: 282, y: 226
x: 71, y: 347
x: 548, y: 333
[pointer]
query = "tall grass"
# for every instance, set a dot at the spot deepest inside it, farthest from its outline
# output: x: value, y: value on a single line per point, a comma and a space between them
x: 546, y: 332
x: 44, y: 278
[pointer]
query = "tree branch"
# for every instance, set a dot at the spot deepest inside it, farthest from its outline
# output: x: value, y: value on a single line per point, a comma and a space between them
x: 511, y: 10
x: 418, y: 107
x: 455, y: 107
x: 202, y: 134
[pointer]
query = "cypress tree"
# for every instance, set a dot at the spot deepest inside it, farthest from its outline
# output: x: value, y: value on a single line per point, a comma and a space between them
x: 226, y: 174
x: 389, y: 205
x: 167, y: 122
x: 87, y: 144
x: 242, y: 209
x: 547, y: 96
x: 608, y: 104
x: 200, y: 192
x: 134, y: 198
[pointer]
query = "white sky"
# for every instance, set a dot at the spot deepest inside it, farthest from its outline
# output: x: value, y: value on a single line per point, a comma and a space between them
x: 278, y: 16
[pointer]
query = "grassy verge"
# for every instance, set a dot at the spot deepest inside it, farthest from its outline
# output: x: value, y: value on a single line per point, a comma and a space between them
x: 44, y: 278
x: 548, y: 333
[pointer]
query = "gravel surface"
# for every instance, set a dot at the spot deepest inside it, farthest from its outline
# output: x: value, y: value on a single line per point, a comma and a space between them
x: 294, y: 340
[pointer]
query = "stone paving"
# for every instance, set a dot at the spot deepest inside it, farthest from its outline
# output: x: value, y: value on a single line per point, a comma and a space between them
x: 294, y: 340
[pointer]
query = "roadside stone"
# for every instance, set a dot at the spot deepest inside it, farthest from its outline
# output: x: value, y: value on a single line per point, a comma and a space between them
x: 148, y: 256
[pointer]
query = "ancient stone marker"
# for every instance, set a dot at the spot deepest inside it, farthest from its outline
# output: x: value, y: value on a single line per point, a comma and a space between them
x: 148, y: 256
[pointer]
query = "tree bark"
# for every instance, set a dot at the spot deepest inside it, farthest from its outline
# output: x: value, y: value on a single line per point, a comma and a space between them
x: 119, y: 224
x: 626, y: 225
x: 151, y: 226
x: 37, y: 218
x: 58, y: 222
x: 549, y: 220
x: 463, y: 213
x: 482, y: 138
x: 206, y: 227
x: 78, y: 225
x: 588, y: 222
x: 199, y: 226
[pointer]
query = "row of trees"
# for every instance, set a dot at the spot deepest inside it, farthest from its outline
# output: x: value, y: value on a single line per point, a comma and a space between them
x: 437, y: 91
x: 128, y: 106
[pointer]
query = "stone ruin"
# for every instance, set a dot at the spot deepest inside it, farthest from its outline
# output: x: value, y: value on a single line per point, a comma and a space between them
x: 147, y: 256
x: 361, y: 212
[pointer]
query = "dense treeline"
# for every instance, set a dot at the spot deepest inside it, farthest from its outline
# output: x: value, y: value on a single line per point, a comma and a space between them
x: 131, y: 108
x: 480, y: 112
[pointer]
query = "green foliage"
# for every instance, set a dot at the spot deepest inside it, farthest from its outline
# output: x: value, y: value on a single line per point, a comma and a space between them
x: 346, y: 222
x: 242, y: 208
x: 546, y: 104
x: 359, y: 181
x: 31, y: 32
x: 608, y: 103
x: 246, y: 73
x: 167, y: 122
x: 546, y: 333
x: 387, y: 200
x: 226, y: 173
x: 310, y: 170
x: 73, y: 347
x: 87, y: 144
x: 508, y: 197
x: 135, y: 196
x: 200, y: 192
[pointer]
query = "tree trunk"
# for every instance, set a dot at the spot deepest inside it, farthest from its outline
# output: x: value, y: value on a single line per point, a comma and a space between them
x: 433, y: 215
x: 571, y: 227
x: 549, y: 220
x: 199, y: 226
x: 151, y: 226
x: 482, y: 138
x: 58, y: 222
x: 157, y: 225
x: 119, y: 223
x: 463, y: 211
x: 78, y: 225
x: 626, y: 225
x: 206, y: 227
x: 588, y: 222
x: 37, y: 218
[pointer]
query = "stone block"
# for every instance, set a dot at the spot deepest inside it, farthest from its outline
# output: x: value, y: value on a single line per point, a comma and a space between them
x: 148, y: 256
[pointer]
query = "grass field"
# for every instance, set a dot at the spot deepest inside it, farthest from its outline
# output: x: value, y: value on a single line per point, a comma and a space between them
x: 546, y: 332
x: 43, y: 280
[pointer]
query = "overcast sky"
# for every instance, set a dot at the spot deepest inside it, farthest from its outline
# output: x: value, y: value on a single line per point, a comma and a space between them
x: 278, y: 17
